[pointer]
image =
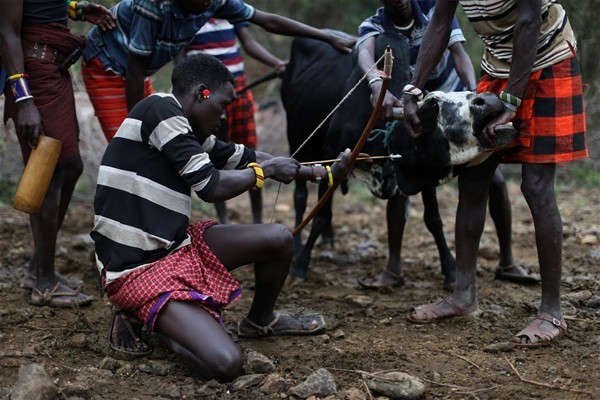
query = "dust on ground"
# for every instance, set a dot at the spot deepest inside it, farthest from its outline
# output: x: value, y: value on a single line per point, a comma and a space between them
x: 364, y: 333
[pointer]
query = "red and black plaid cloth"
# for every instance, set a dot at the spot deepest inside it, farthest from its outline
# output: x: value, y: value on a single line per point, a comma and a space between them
x: 192, y: 273
x: 240, y: 117
x: 551, y: 119
x: 107, y: 94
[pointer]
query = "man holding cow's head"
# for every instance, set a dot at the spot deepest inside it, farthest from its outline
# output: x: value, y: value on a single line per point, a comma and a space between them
x: 530, y: 47
x: 454, y: 72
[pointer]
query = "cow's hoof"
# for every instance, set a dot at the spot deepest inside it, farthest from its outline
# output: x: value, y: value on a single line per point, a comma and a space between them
x: 449, y: 286
x: 294, y: 281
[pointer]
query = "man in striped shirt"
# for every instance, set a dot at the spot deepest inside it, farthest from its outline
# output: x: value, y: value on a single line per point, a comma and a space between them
x: 530, y: 61
x: 173, y: 276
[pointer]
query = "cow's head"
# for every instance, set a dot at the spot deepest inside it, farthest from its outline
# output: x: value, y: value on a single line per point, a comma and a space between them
x: 452, y: 125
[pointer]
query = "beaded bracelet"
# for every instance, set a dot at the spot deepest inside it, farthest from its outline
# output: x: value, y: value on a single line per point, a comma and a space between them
x: 329, y: 176
x: 19, y: 86
x: 260, y: 175
x: 75, y: 10
x: 413, y: 91
x: 509, y: 98
x: 372, y: 81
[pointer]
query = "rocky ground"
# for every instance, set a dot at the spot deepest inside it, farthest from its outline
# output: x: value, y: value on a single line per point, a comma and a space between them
x: 367, y: 331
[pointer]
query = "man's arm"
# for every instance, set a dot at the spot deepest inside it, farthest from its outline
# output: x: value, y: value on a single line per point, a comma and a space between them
x: 134, y: 79
x: 463, y: 65
x: 254, y: 49
x: 29, y: 122
x: 432, y: 48
x: 366, y: 59
x: 525, y: 44
x: 285, y: 26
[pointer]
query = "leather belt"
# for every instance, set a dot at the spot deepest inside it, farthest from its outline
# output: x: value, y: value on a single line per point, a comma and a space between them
x: 43, y: 52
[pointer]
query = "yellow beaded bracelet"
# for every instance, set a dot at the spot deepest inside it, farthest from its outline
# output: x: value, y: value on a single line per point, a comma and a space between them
x: 329, y: 176
x: 260, y: 175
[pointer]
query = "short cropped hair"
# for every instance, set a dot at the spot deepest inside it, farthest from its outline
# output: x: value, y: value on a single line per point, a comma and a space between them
x: 197, y: 69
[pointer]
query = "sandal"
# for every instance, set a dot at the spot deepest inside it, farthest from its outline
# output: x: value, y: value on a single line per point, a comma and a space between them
x: 310, y: 324
x: 429, y: 313
x: 380, y: 281
x: 59, y: 297
x: 544, y: 337
x: 28, y: 281
x: 515, y: 273
x: 133, y: 328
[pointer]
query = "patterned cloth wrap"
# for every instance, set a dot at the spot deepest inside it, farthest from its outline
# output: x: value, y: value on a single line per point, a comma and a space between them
x: 52, y: 89
x: 192, y: 273
x: 241, y: 127
x: 551, y: 119
x: 107, y: 94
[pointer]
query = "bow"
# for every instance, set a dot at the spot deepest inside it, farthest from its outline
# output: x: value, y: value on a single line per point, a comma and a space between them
x: 387, y: 70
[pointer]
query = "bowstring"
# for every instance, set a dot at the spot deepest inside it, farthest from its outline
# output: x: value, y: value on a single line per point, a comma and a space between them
x: 322, y: 123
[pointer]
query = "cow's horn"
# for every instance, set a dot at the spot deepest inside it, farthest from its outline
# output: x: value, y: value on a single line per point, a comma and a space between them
x: 398, y: 113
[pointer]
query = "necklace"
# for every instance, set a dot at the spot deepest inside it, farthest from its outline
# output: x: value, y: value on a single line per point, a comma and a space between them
x: 407, y: 26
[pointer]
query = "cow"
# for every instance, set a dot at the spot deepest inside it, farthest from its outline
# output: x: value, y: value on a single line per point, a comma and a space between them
x: 316, y: 80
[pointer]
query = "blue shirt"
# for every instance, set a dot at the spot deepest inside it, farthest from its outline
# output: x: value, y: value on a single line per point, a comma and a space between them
x: 445, y: 77
x: 157, y: 29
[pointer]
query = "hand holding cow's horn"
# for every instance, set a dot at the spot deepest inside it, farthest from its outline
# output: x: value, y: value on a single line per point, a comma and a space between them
x: 489, y: 135
x: 411, y: 119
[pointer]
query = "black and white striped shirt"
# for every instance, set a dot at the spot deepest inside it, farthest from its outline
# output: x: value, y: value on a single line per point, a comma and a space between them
x: 494, y: 21
x: 143, y: 198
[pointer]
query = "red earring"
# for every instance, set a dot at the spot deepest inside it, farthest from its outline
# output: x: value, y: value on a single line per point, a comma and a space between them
x: 205, y: 94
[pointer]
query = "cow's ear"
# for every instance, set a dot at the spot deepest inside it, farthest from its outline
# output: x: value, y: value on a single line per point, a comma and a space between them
x: 428, y: 114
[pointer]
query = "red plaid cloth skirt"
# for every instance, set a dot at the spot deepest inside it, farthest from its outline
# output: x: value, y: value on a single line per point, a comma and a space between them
x: 240, y: 117
x: 192, y: 273
x: 551, y: 119
x: 107, y: 94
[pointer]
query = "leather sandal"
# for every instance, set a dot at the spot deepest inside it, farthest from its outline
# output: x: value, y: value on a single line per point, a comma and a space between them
x: 542, y: 337
x: 59, y: 298
x: 515, y: 273
x: 377, y: 282
x: 28, y: 281
x: 429, y: 313
x: 310, y: 324
x: 134, y: 329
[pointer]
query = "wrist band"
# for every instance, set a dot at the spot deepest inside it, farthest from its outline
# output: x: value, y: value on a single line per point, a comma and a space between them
x: 16, y: 76
x: 413, y: 91
x: 372, y: 81
x: 316, y: 178
x: 509, y: 98
x: 329, y: 176
x: 260, y: 175
x: 19, y: 87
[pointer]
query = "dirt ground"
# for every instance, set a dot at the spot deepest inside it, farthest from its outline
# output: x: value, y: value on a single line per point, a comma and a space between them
x: 367, y: 333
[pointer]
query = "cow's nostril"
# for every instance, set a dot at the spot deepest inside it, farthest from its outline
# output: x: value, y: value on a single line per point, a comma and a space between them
x: 478, y: 101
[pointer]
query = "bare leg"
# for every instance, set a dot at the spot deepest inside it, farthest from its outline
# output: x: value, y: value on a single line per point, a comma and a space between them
x: 473, y: 188
x: 200, y: 340
x: 538, y: 189
x: 45, y: 226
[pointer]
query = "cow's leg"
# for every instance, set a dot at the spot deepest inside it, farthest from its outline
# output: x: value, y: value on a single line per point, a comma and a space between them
x: 396, y: 215
x: 321, y: 221
x: 434, y: 223
x: 300, y: 199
